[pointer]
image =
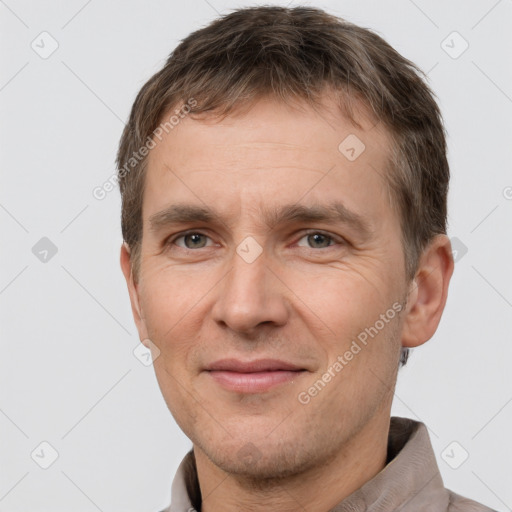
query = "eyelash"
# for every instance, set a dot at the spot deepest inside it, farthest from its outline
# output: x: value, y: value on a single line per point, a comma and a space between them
x: 334, y: 239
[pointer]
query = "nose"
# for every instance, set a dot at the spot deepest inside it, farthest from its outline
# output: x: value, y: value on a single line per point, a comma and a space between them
x: 250, y: 296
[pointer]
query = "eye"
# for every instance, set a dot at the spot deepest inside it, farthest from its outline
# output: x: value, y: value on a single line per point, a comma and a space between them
x: 316, y: 240
x: 192, y: 240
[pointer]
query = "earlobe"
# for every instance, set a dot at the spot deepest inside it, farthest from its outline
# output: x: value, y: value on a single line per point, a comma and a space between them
x: 428, y: 292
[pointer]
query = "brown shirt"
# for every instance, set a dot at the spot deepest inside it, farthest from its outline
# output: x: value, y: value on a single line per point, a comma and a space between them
x: 410, y: 481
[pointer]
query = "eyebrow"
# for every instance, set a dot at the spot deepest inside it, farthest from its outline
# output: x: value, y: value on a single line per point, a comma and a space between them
x: 335, y: 212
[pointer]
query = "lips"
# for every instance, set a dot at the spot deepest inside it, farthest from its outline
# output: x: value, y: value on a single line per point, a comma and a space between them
x: 253, y: 376
x: 259, y: 365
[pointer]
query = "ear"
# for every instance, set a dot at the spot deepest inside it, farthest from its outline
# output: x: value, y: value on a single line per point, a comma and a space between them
x: 126, y: 267
x: 428, y: 292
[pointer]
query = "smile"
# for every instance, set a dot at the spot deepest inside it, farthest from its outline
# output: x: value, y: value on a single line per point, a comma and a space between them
x: 254, y: 376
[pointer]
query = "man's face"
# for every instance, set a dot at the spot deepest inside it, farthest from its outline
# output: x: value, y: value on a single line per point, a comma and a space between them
x: 252, y: 308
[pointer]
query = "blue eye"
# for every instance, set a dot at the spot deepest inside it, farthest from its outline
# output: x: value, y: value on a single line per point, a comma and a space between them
x: 317, y: 240
x: 197, y: 240
x: 192, y: 240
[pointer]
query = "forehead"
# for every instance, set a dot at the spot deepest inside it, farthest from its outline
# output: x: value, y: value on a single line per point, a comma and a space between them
x: 269, y: 154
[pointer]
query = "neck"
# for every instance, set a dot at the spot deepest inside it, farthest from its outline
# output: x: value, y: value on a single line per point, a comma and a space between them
x: 318, y: 489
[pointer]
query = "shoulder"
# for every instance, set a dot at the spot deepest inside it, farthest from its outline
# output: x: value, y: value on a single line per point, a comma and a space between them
x: 458, y: 503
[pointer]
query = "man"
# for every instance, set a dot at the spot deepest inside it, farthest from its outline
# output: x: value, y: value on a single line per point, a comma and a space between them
x: 284, y: 184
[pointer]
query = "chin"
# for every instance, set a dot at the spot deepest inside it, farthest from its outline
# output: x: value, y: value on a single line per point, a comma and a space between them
x: 262, y: 460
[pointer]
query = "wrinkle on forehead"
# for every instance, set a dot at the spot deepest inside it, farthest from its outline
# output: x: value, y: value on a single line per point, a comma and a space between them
x: 270, y: 154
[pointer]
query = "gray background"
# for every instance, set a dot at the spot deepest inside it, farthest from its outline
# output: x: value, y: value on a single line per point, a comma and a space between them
x: 68, y: 373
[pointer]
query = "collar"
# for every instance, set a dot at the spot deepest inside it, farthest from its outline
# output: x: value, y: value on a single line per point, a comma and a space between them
x: 409, y: 482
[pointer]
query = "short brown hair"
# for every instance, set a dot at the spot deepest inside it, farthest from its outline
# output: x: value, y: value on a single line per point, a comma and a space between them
x: 299, y: 53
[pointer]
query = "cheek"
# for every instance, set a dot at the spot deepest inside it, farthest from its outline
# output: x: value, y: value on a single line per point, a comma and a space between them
x: 169, y: 317
x: 345, y: 299
x: 350, y: 314
x: 170, y: 306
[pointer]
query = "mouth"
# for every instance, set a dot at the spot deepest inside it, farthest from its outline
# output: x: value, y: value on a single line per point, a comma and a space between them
x: 253, y: 376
